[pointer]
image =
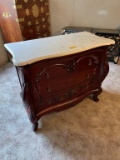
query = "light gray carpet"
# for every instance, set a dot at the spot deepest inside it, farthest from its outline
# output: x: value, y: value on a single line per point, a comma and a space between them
x: 88, y: 131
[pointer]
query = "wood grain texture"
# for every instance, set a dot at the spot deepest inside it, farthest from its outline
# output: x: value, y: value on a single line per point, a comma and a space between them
x: 24, y: 20
x: 10, y: 28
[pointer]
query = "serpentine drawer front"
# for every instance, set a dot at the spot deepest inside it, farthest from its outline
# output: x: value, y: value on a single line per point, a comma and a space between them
x: 61, y: 80
x: 80, y: 74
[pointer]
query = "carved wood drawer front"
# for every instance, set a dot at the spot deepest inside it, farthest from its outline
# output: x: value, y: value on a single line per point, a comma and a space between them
x: 60, y: 80
x: 51, y: 95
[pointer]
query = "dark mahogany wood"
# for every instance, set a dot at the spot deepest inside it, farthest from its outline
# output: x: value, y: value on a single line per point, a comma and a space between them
x: 56, y: 84
x: 9, y: 26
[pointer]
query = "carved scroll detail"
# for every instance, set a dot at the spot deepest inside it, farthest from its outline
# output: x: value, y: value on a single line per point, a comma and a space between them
x: 38, y: 75
x: 70, y: 66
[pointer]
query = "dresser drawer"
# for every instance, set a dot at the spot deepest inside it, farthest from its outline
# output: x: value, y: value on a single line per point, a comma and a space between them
x: 66, y: 66
x: 48, y: 93
x: 57, y: 81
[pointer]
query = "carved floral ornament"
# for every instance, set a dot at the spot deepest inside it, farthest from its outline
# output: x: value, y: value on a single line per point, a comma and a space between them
x: 69, y: 67
x: 89, y: 81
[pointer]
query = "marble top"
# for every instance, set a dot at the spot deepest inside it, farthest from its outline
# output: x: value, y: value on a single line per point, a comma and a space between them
x: 27, y: 52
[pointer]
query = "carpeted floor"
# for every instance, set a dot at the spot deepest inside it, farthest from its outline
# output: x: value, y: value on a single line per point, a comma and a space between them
x: 88, y: 131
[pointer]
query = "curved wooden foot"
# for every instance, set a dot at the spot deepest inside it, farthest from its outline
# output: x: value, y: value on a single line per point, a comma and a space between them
x: 95, y: 95
x: 35, y: 126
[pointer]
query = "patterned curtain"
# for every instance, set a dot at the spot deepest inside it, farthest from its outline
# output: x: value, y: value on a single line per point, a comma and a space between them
x: 33, y: 17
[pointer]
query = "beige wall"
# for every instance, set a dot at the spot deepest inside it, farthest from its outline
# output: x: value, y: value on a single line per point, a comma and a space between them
x: 89, y: 13
x: 3, y: 54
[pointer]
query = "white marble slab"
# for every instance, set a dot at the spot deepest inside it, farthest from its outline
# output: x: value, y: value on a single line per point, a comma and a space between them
x: 27, y: 52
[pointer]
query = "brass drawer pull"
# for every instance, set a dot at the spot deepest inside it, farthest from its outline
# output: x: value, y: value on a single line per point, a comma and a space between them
x: 6, y: 15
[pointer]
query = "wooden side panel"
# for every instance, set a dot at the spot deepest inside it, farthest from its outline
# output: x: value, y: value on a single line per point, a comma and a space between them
x: 9, y: 26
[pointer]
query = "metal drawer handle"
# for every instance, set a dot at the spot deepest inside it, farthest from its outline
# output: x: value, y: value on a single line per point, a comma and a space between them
x: 6, y: 15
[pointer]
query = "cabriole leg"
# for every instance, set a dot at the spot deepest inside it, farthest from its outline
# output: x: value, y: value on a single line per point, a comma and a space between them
x: 95, y: 94
x: 95, y: 97
x: 35, y: 126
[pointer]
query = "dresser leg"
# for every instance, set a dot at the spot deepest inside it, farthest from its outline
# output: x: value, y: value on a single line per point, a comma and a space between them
x: 35, y: 126
x: 95, y: 95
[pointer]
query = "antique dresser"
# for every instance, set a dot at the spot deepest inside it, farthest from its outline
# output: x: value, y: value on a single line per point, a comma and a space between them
x: 56, y: 73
